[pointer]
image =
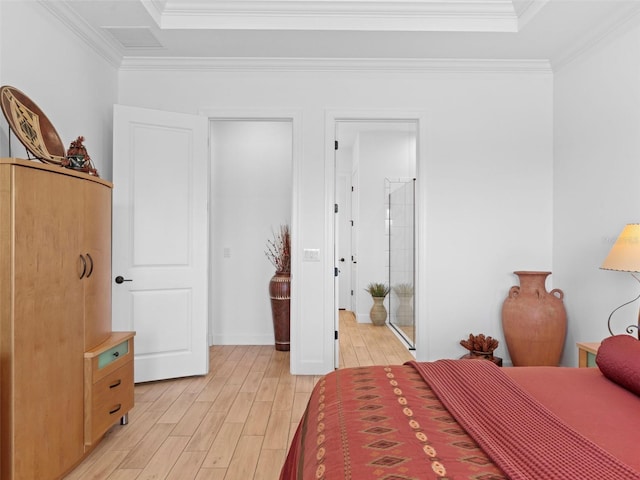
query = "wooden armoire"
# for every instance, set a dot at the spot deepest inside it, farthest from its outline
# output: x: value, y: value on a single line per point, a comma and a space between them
x: 65, y: 377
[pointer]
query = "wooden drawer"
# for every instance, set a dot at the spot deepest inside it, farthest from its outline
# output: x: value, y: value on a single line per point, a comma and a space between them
x: 111, y: 398
x: 108, y: 394
x: 109, y: 356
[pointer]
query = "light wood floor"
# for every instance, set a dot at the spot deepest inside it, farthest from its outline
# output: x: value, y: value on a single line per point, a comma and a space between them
x: 233, y: 424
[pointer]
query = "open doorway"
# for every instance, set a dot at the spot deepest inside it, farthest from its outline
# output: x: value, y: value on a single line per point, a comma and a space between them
x: 251, y: 188
x: 375, y: 159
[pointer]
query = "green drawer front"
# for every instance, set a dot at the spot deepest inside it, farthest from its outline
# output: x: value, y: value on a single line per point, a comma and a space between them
x: 113, y: 354
x: 591, y: 359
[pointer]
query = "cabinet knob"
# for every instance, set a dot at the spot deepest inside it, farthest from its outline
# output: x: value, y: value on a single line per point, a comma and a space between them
x: 120, y: 279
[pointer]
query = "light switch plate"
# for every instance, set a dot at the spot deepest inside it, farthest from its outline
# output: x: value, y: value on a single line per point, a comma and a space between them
x: 311, y: 255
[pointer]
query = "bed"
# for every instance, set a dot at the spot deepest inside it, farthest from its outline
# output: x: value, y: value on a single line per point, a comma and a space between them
x: 470, y: 419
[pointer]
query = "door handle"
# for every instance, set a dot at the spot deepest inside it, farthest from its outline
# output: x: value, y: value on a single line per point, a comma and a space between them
x: 91, y: 266
x: 120, y: 279
x: 84, y: 266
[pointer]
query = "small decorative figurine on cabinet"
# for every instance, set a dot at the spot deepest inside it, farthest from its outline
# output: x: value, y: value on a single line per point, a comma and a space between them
x: 78, y: 158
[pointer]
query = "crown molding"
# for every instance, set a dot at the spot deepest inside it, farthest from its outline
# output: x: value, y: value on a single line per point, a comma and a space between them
x: 386, y: 65
x: 609, y: 29
x: 527, y: 10
x: 363, y: 15
x: 109, y: 49
x: 101, y: 44
x: 155, y: 9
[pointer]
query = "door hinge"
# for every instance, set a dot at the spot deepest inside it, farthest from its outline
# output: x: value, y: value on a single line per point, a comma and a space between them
x: 335, y: 208
x: 352, y: 189
x: 335, y: 145
x: 335, y: 334
x: 335, y: 271
x: 352, y: 293
x: 352, y: 223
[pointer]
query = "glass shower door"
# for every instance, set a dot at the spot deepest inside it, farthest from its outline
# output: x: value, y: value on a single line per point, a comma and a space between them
x: 401, y: 232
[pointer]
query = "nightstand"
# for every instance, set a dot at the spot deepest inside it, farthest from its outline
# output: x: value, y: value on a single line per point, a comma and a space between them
x: 108, y: 377
x: 587, y: 353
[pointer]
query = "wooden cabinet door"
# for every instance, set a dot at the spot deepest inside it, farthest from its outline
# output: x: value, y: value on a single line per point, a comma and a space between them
x: 48, y: 325
x: 97, y: 248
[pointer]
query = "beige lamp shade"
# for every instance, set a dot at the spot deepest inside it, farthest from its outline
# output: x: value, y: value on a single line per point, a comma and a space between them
x: 625, y: 253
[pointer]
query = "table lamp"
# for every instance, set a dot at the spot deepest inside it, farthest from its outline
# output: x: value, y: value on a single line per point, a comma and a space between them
x: 624, y: 256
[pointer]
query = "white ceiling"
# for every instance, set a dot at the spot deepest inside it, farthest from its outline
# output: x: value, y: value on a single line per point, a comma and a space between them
x: 128, y: 31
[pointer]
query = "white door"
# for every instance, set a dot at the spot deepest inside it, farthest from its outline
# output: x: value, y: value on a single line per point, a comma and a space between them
x: 160, y: 238
x: 343, y: 240
x: 355, y: 185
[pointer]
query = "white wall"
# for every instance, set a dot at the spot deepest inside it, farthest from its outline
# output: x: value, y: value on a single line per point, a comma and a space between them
x: 488, y: 200
x: 486, y: 206
x: 72, y: 85
x: 251, y: 197
x: 597, y: 174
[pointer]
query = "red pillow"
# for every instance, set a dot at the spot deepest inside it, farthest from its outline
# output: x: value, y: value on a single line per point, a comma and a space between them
x: 618, y: 359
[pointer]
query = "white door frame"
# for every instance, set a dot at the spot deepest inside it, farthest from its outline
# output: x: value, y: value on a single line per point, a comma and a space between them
x: 295, y: 117
x: 421, y: 119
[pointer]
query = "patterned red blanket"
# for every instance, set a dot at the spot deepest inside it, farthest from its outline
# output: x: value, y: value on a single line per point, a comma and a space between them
x: 387, y: 423
x: 381, y: 423
x: 522, y: 436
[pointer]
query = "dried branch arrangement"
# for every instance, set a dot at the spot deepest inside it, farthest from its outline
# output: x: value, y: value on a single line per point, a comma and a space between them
x: 279, y: 250
x: 480, y: 343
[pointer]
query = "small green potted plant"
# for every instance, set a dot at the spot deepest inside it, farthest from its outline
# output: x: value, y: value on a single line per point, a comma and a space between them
x: 378, y: 292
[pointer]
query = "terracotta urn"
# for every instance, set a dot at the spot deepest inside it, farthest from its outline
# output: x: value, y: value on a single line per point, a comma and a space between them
x: 534, y: 321
x: 378, y: 312
x: 280, y: 294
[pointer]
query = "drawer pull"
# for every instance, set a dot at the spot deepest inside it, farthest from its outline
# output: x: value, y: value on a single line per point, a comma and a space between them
x: 116, y: 354
x: 116, y: 384
x: 115, y: 409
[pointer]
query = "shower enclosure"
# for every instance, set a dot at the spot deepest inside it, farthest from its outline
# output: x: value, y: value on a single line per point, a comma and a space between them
x: 400, y: 195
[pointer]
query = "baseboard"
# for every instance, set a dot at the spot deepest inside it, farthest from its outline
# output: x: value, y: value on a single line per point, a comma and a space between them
x: 241, y: 340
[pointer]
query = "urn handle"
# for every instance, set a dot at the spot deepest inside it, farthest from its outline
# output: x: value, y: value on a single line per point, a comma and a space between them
x: 514, y: 291
x: 556, y: 292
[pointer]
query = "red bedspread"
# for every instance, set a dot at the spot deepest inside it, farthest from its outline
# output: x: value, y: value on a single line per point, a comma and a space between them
x: 520, y: 434
x: 387, y: 423
x: 381, y: 423
x: 591, y: 404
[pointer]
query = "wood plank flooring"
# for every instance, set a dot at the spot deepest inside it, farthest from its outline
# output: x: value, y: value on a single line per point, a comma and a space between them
x: 235, y: 423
